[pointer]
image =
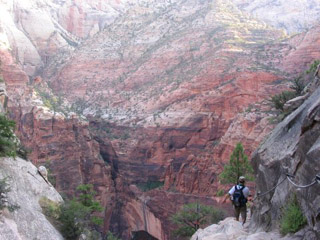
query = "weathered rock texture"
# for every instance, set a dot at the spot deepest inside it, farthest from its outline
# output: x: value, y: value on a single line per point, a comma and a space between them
x: 165, y: 85
x: 293, y: 148
x: 230, y: 229
x: 293, y: 16
x: 27, y: 187
x: 65, y: 144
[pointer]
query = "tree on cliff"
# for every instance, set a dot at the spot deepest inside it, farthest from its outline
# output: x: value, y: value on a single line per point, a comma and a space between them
x: 8, y: 141
x: 78, y: 215
x: 194, y: 215
x: 238, y: 166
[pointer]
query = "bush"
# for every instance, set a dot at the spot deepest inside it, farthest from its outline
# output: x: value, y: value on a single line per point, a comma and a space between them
x: 73, y: 218
x: 279, y: 100
x: 150, y: 185
x: 298, y: 86
x: 77, y: 214
x: 313, y: 67
x: 110, y: 236
x: 220, y: 193
x: 50, y: 208
x: 8, y: 141
x: 292, y: 219
x: 192, y: 216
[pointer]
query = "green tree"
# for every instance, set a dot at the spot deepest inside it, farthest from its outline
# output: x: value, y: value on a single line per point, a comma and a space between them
x: 78, y: 214
x: 194, y: 215
x: 8, y: 141
x: 238, y: 166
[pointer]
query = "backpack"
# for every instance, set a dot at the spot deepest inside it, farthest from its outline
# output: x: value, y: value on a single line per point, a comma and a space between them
x: 238, y: 198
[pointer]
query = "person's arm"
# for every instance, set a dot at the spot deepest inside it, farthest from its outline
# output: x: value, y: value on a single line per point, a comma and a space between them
x: 226, y: 197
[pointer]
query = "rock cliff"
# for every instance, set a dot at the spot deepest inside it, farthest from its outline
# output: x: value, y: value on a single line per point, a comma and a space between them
x: 292, y: 148
x: 27, y: 187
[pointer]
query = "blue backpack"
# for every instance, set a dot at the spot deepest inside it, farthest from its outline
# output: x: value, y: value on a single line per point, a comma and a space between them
x: 238, y: 198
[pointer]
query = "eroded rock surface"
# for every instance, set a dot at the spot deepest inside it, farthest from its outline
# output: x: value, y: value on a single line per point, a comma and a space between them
x: 293, y: 148
x: 27, y: 187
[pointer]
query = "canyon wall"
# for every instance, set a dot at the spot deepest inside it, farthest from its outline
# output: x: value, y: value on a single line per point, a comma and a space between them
x: 122, y: 93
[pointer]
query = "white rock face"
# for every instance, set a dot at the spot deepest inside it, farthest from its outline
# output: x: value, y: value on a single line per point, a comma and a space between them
x: 230, y: 229
x: 27, y: 187
x: 294, y: 16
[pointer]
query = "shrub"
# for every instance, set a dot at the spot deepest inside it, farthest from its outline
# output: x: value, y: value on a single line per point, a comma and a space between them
x: 110, y: 236
x: 192, y: 216
x: 8, y: 141
x: 313, y: 67
x: 220, y: 193
x: 78, y: 214
x: 50, y: 208
x: 73, y: 218
x: 150, y: 185
x: 279, y: 100
x: 298, y: 86
x: 292, y: 218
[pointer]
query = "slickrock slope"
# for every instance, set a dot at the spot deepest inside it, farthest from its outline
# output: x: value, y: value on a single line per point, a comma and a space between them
x: 27, y: 187
x: 293, y: 148
x: 294, y: 16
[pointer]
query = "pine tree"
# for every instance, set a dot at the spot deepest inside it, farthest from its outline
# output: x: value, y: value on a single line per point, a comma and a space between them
x: 238, y: 166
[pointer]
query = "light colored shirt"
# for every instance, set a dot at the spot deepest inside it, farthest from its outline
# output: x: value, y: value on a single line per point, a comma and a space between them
x: 245, y: 191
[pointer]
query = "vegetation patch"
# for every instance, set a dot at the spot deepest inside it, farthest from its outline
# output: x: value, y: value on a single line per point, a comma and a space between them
x: 292, y: 219
x: 238, y: 165
x: 192, y: 216
x: 110, y: 236
x: 8, y: 141
x: 75, y: 216
x: 150, y: 185
x: 220, y: 193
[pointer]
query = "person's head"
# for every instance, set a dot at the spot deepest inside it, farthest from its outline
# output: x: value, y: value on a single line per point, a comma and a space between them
x: 242, y: 180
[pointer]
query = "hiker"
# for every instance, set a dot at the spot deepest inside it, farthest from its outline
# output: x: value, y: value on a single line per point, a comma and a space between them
x: 239, y: 196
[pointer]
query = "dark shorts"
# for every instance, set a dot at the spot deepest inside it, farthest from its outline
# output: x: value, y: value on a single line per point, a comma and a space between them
x: 242, y: 211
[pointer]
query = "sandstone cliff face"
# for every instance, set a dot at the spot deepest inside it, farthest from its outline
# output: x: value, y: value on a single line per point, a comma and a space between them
x: 169, y: 88
x: 27, y: 187
x: 64, y: 144
x: 167, y: 84
x: 293, y: 148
